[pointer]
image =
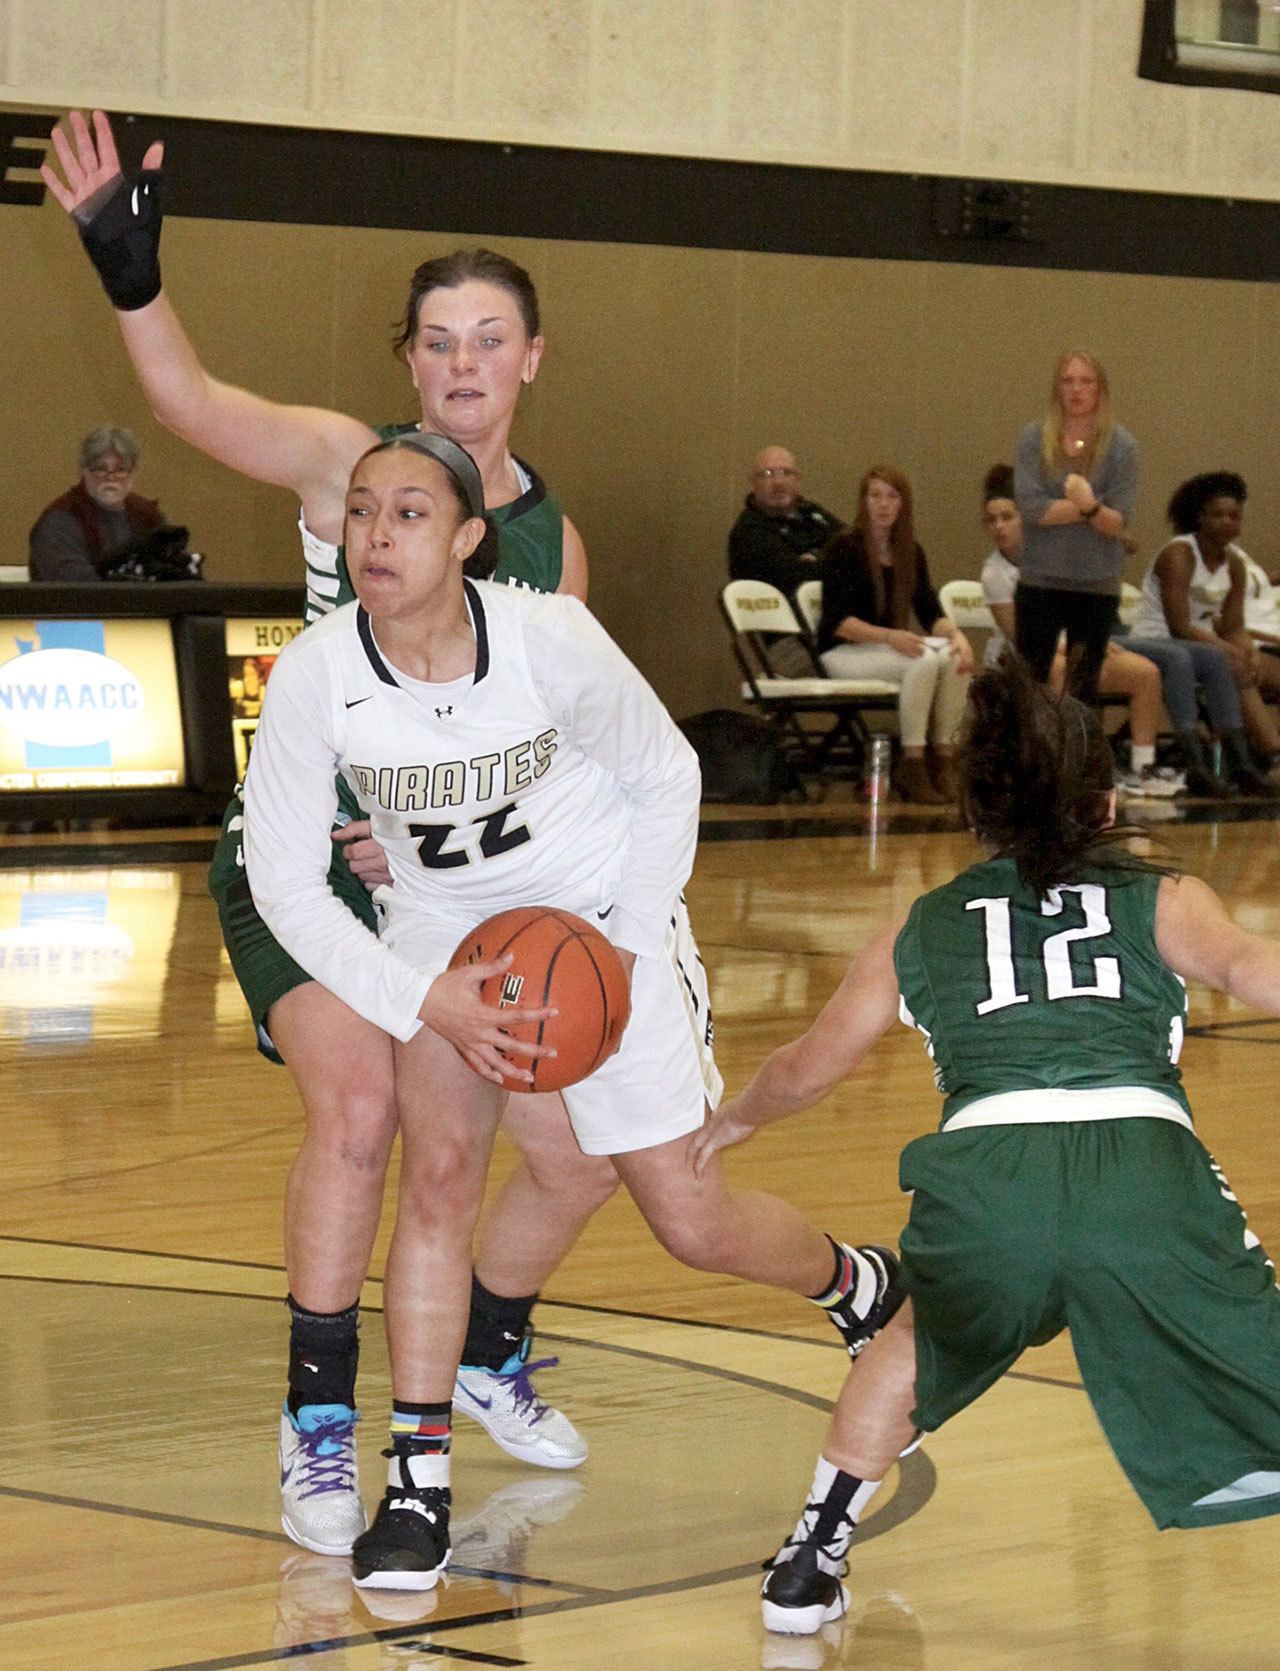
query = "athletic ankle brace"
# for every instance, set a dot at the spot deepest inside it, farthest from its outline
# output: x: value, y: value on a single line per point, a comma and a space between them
x: 496, y: 1326
x: 324, y: 1352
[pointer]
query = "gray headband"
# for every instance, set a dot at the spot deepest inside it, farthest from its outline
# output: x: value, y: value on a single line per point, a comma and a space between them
x: 456, y: 460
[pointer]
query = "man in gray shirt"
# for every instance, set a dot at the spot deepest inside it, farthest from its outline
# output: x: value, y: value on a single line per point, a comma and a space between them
x: 97, y: 517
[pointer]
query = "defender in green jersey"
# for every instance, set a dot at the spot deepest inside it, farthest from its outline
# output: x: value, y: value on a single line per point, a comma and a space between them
x: 1065, y: 1188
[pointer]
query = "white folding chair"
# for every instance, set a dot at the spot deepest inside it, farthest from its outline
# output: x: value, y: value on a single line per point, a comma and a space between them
x: 809, y: 603
x: 965, y: 607
x: 754, y: 612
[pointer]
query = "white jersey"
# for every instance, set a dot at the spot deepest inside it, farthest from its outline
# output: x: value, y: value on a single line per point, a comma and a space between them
x: 321, y: 559
x: 550, y: 776
x: 1208, y: 593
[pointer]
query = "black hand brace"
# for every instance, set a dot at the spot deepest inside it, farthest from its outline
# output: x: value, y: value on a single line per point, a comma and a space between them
x: 120, y: 228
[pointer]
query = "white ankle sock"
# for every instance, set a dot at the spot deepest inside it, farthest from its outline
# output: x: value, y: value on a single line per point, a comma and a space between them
x: 1142, y: 755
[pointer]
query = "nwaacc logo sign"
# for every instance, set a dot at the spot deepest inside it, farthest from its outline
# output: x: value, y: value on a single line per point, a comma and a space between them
x: 68, y: 698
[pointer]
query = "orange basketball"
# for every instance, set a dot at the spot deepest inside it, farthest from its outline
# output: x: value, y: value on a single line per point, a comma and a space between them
x: 557, y: 959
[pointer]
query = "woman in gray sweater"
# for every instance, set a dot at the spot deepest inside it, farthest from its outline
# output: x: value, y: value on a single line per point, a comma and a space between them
x: 1075, y: 483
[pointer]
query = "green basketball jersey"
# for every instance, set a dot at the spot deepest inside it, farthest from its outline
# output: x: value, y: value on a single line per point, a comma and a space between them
x: 530, y: 534
x: 1018, y: 994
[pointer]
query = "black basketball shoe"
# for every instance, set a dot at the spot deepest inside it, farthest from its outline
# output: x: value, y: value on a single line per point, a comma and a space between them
x: 889, y: 1294
x: 407, y: 1547
x: 799, y: 1595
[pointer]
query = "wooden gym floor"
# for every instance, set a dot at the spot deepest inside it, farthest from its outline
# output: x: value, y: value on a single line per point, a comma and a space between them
x: 143, y: 1334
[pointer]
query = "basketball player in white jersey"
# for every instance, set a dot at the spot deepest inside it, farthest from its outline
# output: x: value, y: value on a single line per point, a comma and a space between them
x: 508, y: 754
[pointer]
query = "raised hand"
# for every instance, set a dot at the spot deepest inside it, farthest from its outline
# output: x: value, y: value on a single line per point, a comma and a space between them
x: 89, y: 160
x: 119, y: 220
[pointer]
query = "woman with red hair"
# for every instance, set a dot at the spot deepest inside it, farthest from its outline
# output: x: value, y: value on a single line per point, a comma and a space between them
x: 881, y: 619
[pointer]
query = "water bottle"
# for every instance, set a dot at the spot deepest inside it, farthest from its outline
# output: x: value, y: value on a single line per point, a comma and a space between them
x: 879, y: 762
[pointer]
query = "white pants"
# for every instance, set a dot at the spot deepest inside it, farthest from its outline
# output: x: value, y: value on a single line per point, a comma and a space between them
x: 929, y: 684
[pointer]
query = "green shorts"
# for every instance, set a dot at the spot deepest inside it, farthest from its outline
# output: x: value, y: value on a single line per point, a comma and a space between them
x: 1127, y: 1234
x: 263, y: 969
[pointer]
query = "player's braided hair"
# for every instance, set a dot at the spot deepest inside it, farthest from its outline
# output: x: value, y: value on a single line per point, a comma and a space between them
x: 1037, y: 772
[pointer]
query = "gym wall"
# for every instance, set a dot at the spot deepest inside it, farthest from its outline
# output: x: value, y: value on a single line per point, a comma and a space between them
x: 695, y: 310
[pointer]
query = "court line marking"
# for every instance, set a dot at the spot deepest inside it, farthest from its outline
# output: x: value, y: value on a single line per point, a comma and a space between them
x: 910, y: 1496
x: 376, y: 1310
x: 917, y: 1481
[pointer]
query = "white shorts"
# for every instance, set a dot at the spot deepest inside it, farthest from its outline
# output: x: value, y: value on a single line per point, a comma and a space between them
x: 658, y: 1083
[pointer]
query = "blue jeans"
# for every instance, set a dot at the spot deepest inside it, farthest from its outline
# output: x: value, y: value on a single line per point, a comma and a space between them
x: 1185, y: 665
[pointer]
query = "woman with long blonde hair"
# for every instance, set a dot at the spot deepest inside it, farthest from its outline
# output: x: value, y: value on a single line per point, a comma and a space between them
x: 1075, y: 483
x: 881, y: 619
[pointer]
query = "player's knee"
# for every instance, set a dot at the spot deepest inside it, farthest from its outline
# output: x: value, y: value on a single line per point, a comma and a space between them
x: 360, y: 1124
x: 691, y: 1239
x: 575, y: 1177
x: 442, y: 1186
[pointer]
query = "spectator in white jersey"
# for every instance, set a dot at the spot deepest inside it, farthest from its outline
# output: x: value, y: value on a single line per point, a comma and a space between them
x: 430, y: 673
x: 1193, y: 607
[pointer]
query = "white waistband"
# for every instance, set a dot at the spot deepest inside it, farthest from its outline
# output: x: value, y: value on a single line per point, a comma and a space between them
x: 1049, y: 1107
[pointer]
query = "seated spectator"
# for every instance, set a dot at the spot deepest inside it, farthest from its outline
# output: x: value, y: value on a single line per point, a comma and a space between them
x: 1190, y: 622
x: 875, y: 579
x: 779, y: 534
x: 1122, y: 673
x: 777, y: 538
x: 98, y: 517
x: 1261, y: 607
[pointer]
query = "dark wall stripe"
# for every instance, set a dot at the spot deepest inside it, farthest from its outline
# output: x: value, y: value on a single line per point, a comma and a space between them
x: 322, y: 177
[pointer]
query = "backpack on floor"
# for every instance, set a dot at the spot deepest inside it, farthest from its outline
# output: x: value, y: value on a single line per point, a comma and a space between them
x: 743, y: 758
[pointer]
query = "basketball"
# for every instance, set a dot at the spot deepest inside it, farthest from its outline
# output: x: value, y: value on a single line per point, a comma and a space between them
x: 560, y: 960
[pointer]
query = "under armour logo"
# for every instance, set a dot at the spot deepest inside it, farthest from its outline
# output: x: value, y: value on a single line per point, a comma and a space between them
x: 441, y: 712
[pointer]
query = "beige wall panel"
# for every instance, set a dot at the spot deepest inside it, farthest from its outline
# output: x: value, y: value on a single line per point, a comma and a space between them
x: 1134, y: 126
x: 1256, y: 357
x: 1024, y: 87
x: 243, y: 57
x: 8, y: 10
x: 829, y: 365
x: 522, y: 69
x: 655, y: 69
x: 95, y: 52
x: 665, y: 369
x: 1021, y: 89
x: 784, y: 77
x: 1240, y: 142
x: 905, y: 82
x: 392, y: 66
x: 631, y: 423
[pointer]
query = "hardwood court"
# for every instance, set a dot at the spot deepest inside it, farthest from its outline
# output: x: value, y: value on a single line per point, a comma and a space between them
x: 144, y: 1339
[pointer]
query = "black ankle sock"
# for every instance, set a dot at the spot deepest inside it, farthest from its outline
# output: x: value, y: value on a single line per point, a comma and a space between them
x: 324, y: 1349
x: 496, y: 1326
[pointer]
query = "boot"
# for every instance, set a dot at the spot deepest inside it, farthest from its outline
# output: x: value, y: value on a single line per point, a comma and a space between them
x: 914, y: 784
x: 1201, y: 778
x: 944, y: 774
x: 1239, y: 763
